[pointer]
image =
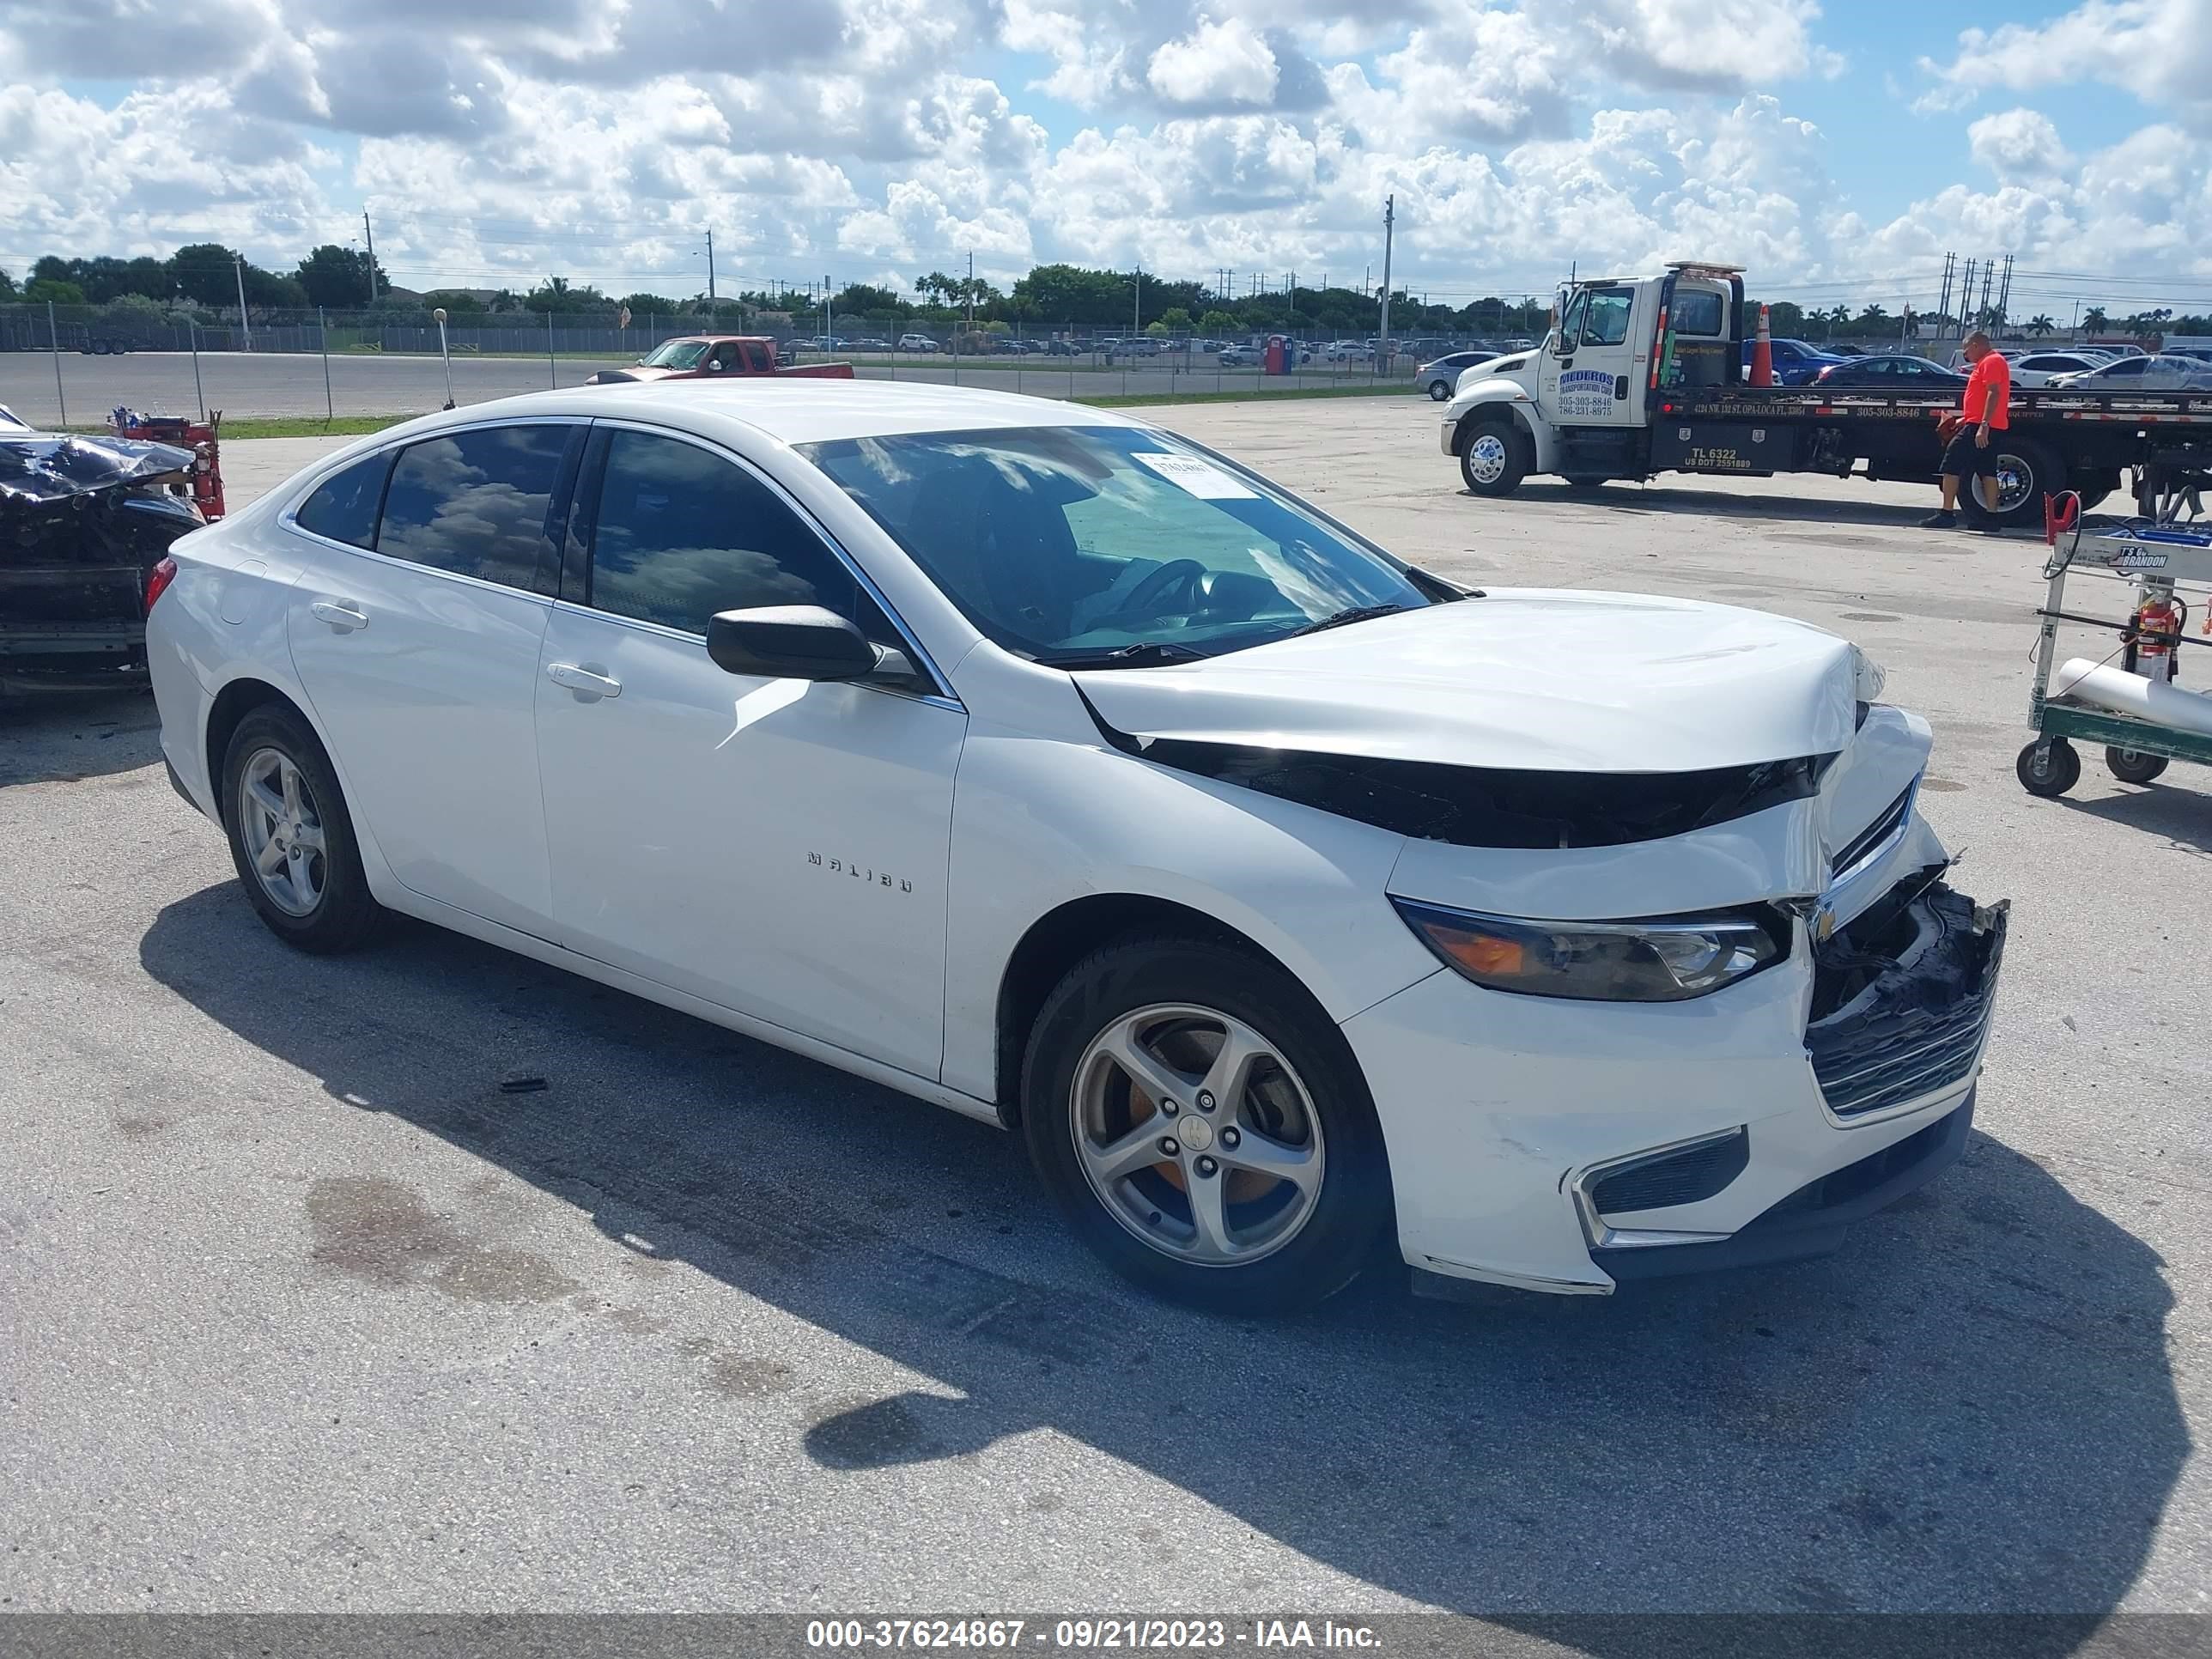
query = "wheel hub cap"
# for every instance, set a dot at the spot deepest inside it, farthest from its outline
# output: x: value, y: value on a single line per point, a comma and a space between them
x: 1486, y: 458
x: 1197, y: 1134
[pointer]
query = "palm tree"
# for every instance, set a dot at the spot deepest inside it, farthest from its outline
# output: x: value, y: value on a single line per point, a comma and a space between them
x: 2039, y: 326
x: 2094, y: 320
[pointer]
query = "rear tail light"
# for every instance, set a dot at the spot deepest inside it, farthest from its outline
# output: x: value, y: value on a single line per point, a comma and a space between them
x: 158, y: 580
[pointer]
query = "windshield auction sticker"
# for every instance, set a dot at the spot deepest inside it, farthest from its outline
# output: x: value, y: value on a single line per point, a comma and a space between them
x: 1200, y: 478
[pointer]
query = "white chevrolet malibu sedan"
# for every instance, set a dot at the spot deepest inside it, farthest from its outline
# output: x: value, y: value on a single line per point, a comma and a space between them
x: 1043, y: 765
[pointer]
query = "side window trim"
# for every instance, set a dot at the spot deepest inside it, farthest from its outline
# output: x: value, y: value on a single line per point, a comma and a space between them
x: 602, y: 437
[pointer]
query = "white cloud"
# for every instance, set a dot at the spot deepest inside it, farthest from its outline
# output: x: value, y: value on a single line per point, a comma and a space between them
x: 2160, y: 50
x: 1215, y: 63
x: 601, y: 139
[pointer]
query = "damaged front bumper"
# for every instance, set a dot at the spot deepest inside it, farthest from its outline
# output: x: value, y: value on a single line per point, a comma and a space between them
x: 1567, y: 1146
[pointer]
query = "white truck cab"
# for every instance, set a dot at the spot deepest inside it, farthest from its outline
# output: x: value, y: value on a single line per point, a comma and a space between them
x: 1581, y: 404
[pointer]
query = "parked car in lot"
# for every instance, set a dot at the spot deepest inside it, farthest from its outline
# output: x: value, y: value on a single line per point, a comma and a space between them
x: 2035, y: 368
x: 1241, y: 357
x: 718, y: 356
x: 1040, y: 763
x: 1890, y: 371
x: 1063, y: 349
x: 921, y: 343
x: 1795, y: 361
x: 2160, y: 373
x: 1440, y: 378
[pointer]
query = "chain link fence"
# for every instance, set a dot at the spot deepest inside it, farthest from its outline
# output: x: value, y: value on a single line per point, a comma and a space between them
x: 62, y: 365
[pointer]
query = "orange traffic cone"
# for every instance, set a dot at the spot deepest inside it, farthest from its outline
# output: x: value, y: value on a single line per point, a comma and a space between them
x: 1762, y: 354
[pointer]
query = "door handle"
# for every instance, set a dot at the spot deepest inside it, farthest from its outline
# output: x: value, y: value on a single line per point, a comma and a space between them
x: 1620, y: 385
x: 338, y: 615
x: 576, y: 679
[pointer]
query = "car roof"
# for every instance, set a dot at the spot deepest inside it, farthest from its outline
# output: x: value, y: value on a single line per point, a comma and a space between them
x: 793, y: 410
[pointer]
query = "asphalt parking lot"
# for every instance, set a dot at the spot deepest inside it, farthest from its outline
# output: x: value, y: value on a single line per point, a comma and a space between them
x: 278, y: 385
x: 300, y: 1310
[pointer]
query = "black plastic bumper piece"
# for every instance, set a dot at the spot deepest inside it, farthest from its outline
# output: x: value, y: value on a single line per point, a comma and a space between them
x: 1813, y: 1220
x: 178, y: 784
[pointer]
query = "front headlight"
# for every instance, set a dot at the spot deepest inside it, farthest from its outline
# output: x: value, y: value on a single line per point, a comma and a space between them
x: 1666, y: 959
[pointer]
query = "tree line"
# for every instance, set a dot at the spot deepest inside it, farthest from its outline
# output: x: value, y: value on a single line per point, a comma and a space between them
x: 207, y: 276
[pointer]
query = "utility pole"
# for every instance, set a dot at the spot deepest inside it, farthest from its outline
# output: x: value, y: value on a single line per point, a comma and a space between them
x: 1989, y: 275
x: 1389, y: 226
x: 1137, y: 304
x: 369, y: 236
x: 827, y: 335
x: 1965, y: 298
x: 710, y: 268
x: 971, y: 292
x: 1943, y: 305
x: 237, y: 269
x: 2004, y: 289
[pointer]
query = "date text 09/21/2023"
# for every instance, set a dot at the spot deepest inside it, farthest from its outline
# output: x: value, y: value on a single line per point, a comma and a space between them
x: 1086, y: 1634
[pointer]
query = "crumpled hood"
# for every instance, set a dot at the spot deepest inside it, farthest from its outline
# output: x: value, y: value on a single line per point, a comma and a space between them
x: 1533, y: 680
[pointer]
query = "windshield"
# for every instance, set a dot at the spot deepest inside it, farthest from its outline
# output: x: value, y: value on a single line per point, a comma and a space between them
x: 677, y: 353
x: 1066, y: 543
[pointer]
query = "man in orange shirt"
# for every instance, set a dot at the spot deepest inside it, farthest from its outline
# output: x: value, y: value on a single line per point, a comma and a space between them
x: 1987, y: 407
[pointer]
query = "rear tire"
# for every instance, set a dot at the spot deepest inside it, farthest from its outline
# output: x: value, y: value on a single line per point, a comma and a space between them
x: 1440, y: 390
x: 1266, y: 1242
x: 2036, y: 472
x: 2132, y: 765
x: 291, y: 836
x: 1494, y: 459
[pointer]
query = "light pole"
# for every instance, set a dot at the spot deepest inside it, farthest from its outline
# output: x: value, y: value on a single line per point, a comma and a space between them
x: 237, y: 269
x: 444, y: 352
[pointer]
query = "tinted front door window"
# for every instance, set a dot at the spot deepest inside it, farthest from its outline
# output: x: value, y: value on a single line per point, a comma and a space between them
x: 480, y: 503
x: 684, y: 533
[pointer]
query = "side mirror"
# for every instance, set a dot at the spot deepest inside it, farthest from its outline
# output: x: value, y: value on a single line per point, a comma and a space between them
x: 789, y: 643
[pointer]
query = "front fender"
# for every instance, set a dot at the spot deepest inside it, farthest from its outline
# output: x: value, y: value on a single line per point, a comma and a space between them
x: 1480, y: 397
x: 1039, y: 822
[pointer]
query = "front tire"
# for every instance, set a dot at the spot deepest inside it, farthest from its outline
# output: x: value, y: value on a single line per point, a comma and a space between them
x: 1493, y: 461
x: 291, y: 836
x: 2048, y: 768
x: 1204, y: 1126
x: 1440, y: 390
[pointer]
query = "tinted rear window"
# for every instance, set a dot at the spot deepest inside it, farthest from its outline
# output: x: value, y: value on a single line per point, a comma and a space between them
x: 479, y: 504
x: 343, y: 506
x: 1698, y: 311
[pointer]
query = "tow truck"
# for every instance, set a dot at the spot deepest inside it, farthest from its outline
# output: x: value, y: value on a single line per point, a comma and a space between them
x: 1642, y: 375
x: 715, y: 357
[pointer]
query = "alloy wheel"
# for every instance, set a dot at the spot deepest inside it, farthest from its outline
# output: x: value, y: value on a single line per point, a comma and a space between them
x: 282, y: 829
x: 1197, y: 1134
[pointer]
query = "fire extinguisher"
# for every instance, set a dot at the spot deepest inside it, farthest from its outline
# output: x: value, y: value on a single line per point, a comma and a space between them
x: 2154, y: 632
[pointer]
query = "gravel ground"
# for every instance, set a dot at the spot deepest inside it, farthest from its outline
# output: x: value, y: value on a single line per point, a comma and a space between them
x: 298, y: 1310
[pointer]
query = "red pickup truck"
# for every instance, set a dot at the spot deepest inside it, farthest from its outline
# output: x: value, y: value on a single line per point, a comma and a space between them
x: 714, y: 357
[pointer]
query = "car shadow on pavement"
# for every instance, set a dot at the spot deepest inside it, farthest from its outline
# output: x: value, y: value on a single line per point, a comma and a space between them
x: 57, y: 738
x: 1969, y: 1408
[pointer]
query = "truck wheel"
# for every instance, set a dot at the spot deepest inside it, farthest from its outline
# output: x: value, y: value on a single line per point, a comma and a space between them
x: 2027, y: 472
x: 2049, y: 768
x: 2132, y: 765
x: 1492, y: 461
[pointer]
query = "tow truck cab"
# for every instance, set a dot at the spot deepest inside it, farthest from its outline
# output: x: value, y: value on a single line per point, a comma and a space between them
x: 1582, y: 404
x: 716, y: 356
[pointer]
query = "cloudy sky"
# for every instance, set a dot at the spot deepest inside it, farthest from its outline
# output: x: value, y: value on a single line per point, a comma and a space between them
x: 1838, y: 150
